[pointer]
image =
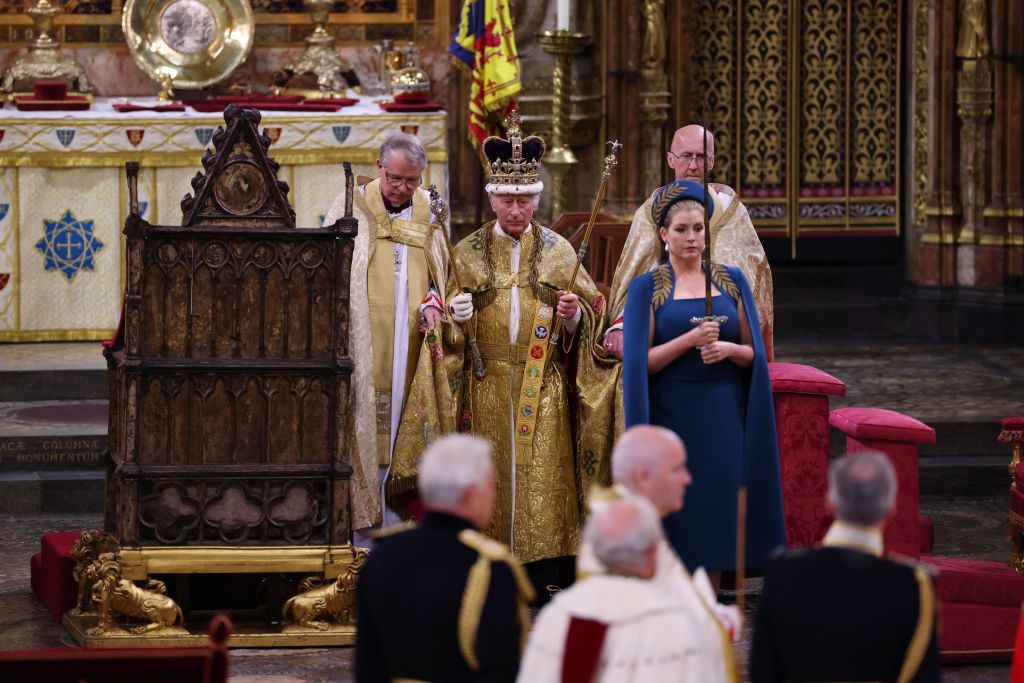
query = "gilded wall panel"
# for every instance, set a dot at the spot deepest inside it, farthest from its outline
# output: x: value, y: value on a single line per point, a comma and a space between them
x: 763, y: 102
x: 822, y: 83
x: 873, y: 52
x: 714, y: 65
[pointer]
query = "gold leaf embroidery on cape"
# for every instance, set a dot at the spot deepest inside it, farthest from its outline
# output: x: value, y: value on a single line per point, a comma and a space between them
x: 662, y: 285
x: 724, y: 281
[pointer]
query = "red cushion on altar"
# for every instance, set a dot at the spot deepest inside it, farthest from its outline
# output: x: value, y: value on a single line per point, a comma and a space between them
x: 978, y: 582
x: 881, y: 424
x: 57, y: 589
x: 399, y: 106
x: 1018, y: 474
x: 50, y: 90
x: 794, y: 378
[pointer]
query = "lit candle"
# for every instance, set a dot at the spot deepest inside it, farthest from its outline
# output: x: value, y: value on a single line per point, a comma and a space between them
x: 563, y: 15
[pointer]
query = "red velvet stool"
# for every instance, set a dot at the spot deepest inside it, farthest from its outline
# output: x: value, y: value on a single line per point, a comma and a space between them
x: 51, y: 578
x: 801, y: 396
x: 897, y: 436
x: 979, y: 608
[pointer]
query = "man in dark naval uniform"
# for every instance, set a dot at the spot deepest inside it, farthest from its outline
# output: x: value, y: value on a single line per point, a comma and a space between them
x: 842, y: 612
x: 443, y: 602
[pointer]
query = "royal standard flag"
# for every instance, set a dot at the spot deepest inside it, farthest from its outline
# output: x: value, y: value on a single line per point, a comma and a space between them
x: 485, y: 44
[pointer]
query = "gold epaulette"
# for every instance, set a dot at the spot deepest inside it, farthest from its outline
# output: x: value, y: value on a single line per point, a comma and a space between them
x: 475, y: 594
x: 393, y: 530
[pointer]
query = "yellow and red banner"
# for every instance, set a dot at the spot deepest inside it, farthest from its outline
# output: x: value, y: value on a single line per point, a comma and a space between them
x: 485, y: 44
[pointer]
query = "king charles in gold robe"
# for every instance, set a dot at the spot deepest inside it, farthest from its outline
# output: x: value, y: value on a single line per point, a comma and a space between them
x: 549, y: 445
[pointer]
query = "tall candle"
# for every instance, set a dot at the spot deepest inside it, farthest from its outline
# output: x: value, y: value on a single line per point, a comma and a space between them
x: 562, y: 22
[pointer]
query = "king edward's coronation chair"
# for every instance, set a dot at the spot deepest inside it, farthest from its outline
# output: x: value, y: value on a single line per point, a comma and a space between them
x: 229, y: 414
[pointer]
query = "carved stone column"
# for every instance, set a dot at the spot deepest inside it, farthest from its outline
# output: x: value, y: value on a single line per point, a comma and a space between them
x: 937, y: 262
x: 654, y: 97
x: 974, y: 109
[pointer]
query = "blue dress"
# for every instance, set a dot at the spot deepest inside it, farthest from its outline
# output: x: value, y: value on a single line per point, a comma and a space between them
x: 723, y: 413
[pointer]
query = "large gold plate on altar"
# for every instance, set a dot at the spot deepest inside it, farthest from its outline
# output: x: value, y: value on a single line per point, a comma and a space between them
x: 194, y: 43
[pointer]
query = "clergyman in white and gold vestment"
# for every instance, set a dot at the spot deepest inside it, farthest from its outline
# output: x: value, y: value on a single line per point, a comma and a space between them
x: 397, y: 284
x: 734, y: 241
x: 619, y: 624
x: 515, y: 274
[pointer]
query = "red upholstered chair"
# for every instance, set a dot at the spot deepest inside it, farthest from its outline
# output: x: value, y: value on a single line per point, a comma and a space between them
x: 897, y: 436
x: 154, y: 665
x: 1013, y: 433
x: 801, y: 395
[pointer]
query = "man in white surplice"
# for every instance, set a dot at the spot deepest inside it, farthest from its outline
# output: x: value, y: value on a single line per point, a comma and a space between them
x: 650, y: 461
x: 621, y: 625
x: 397, y: 281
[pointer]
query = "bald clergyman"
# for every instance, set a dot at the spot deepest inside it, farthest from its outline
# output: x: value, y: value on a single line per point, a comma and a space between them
x: 734, y: 240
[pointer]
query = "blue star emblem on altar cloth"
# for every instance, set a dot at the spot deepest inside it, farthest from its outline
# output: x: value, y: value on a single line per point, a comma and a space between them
x: 69, y: 245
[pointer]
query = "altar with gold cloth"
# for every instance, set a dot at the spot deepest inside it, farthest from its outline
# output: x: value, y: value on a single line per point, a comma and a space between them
x: 63, y: 202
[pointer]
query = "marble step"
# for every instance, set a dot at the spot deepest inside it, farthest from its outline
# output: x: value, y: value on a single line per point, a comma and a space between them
x: 52, y: 435
x: 51, y: 456
x: 52, y: 371
x: 51, y: 492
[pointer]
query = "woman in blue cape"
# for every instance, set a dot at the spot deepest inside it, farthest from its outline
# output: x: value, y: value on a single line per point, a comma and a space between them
x: 709, y: 384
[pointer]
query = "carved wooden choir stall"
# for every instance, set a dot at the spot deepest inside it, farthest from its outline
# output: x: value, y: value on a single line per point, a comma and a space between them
x: 229, y: 384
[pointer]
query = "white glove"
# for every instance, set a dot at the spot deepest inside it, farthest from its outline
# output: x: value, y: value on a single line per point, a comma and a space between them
x: 462, y: 307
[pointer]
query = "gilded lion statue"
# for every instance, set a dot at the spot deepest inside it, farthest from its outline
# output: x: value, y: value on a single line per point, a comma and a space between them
x: 336, y: 599
x: 117, y: 596
x: 89, y: 546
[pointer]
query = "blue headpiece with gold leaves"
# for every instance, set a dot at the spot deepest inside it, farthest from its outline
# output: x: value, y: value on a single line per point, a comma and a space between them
x: 674, y: 192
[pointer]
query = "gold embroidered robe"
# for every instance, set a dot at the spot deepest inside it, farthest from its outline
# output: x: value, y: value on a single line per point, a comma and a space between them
x: 540, y: 488
x: 734, y: 243
x: 372, y: 323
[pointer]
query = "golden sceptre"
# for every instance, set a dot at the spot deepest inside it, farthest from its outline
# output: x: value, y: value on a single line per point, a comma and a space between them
x: 439, y: 207
x: 610, y: 161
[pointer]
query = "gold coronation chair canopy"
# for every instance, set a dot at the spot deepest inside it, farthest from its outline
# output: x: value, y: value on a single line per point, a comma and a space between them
x: 63, y: 203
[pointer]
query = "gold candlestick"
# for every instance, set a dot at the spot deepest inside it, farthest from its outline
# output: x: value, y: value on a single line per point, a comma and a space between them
x: 559, y: 158
x: 321, y: 58
x: 44, y: 59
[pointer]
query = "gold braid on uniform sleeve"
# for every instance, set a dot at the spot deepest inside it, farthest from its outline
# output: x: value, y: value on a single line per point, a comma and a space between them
x: 474, y: 596
x: 923, y: 631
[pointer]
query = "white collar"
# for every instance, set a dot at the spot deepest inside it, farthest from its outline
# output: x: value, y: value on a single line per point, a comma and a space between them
x: 501, y: 233
x: 866, y: 539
